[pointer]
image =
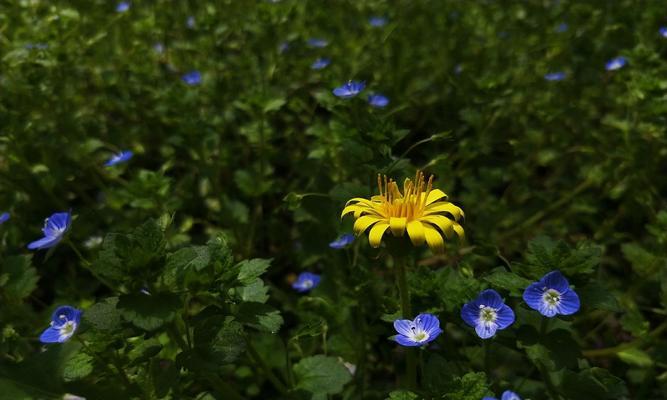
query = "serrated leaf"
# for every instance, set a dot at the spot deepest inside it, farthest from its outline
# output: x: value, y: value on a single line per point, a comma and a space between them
x: 256, y: 291
x: 195, y: 257
x: 471, y: 386
x: 260, y: 316
x: 321, y: 375
x: 595, y: 296
x: 249, y: 270
x: 103, y: 315
x: 228, y: 344
x: 593, y: 384
x: 77, y: 367
x: 20, y: 277
x: 509, y: 281
x: 402, y: 395
x: 149, y: 312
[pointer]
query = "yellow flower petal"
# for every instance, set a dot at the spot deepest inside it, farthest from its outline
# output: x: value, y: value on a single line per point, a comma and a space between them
x: 459, y: 230
x: 443, y: 223
x: 416, y: 232
x: 441, y: 207
x: 358, y: 210
x: 434, y: 239
x: 435, y: 195
x: 361, y: 224
x: 360, y: 200
x: 376, y: 233
x: 397, y: 225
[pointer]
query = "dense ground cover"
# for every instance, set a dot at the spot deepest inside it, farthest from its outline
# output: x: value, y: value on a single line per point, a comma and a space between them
x: 544, y: 121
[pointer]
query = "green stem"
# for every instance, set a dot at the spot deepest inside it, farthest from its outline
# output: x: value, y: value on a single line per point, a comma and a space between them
x: 487, y: 358
x: 267, y: 370
x: 551, y: 389
x: 120, y: 372
x: 406, y: 312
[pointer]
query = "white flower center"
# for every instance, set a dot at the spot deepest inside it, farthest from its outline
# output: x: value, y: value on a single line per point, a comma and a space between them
x: 418, y: 335
x: 551, y: 297
x: 487, y: 315
x: 67, y: 329
x: 308, y: 283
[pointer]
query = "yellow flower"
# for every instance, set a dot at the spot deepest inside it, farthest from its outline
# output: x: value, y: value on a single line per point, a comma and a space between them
x: 421, y: 210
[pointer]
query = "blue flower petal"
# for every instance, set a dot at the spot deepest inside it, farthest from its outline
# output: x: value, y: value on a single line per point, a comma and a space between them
x: 509, y: 395
x: 490, y: 298
x: 378, y: 100
x: 121, y: 157
x: 306, y: 281
x: 342, y: 241
x: 317, y: 42
x: 505, y: 317
x: 4, y: 217
x: 350, y: 89
x: 402, y: 326
x: 555, y: 280
x: 404, y: 341
x: 50, y: 335
x: 533, y: 295
x: 489, y: 398
x: 663, y: 32
x: 123, y: 6
x: 67, y: 313
x: 555, y: 76
x: 58, y: 221
x: 377, y: 22
x: 569, y: 303
x: 320, y: 63
x: 43, y: 243
x: 486, y: 331
x: 470, y: 313
x: 616, y: 63
x: 429, y: 323
x: 192, y: 78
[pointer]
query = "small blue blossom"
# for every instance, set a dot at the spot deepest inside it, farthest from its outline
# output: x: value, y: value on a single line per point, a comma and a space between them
x: 552, y: 295
x: 123, y: 6
x: 158, y: 48
x: 192, y: 78
x: 54, y: 229
x: 306, y: 281
x: 562, y: 28
x: 424, y: 329
x: 377, y: 22
x: 555, y: 76
x: 378, y: 100
x: 507, y: 395
x: 64, y: 322
x: 119, y: 158
x: 350, y: 89
x: 190, y: 22
x: 487, y: 314
x: 283, y: 47
x: 320, y: 63
x: 616, y: 63
x: 4, y: 217
x: 342, y: 242
x: 663, y: 31
x: 317, y: 42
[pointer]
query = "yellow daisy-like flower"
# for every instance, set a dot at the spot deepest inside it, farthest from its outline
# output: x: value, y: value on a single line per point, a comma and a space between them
x: 421, y: 210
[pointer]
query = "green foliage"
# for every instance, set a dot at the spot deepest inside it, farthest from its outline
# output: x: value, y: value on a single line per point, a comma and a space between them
x: 182, y: 258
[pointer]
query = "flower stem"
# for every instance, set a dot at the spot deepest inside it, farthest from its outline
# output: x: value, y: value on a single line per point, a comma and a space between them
x: 551, y: 389
x: 487, y: 357
x: 404, y: 293
x: 87, y: 265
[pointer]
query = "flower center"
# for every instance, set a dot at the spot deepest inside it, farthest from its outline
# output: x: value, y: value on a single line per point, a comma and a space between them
x: 419, y: 335
x: 307, y: 283
x: 487, y: 314
x: 68, y: 328
x: 551, y: 297
x: 411, y: 203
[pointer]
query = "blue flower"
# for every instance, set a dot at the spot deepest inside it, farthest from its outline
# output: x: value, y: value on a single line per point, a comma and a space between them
x: 317, y: 42
x: 306, y: 281
x: 507, y: 395
x: 555, y: 76
x: 350, y: 89
x: 377, y: 22
x: 552, y: 295
x: 378, y: 100
x: 424, y: 329
x: 192, y: 78
x: 121, y: 157
x: 616, y: 63
x: 663, y: 31
x: 54, y: 229
x: 487, y: 314
x: 342, y: 241
x: 123, y: 6
x: 562, y: 28
x: 320, y: 63
x: 158, y: 48
x: 64, y: 322
x: 190, y: 22
x: 4, y: 217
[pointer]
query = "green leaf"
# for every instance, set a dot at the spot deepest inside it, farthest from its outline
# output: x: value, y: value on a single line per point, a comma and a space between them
x: 402, y: 395
x: 149, y: 312
x: 195, y: 257
x: 636, y: 357
x: 103, y: 315
x: 644, y: 263
x: 273, y: 105
x: 260, y: 316
x: 256, y: 291
x: 249, y: 270
x: 321, y: 375
x: 144, y: 350
x: 77, y: 367
x: 596, y: 296
x: 499, y: 278
x: 471, y: 386
x: 544, y: 255
x: 19, y: 276
x: 228, y: 344
x: 593, y: 384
